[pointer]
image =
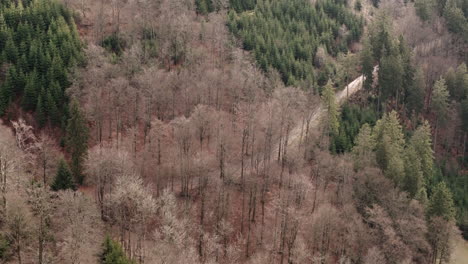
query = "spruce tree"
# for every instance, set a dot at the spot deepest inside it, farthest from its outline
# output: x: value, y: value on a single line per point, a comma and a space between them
x: 63, y: 179
x: 51, y: 109
x: 30, y: 94
x: 390, y: 76
x: 408, y: 69
x: 441, y: 203
x: 363, y: 152
x: 414, y: 180
x: 367, y: 62
x: 77, y: 141
x: 440, y: 104
x: 389, y: 138
x: 440, y: 97
x: 416, y: 93
x: 41, y: 115
x: 112, y: 253
x: 11, y: 52
x: 421, y: 141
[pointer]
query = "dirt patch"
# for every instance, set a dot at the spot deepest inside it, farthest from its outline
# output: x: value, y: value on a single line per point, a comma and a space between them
x: 460, y: 254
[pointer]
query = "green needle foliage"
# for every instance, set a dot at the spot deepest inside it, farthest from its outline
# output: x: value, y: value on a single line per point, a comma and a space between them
x: 441, y: 203
x: 77, y: 141
x: 113, y: 253
x: 285, y: 34
x: 39, y: 45
x: 63, y: 179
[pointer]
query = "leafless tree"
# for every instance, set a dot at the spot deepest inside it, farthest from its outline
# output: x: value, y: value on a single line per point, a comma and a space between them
x: 78, y: 215
x: 39, y: 199
x: 18, y: 229
x: 131, y: 207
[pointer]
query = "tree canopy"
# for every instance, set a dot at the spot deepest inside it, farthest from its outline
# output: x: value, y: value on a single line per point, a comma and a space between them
x: 40, y: 46
x: 77, y: 134
x: 63, y: 179
x: 285, y: 34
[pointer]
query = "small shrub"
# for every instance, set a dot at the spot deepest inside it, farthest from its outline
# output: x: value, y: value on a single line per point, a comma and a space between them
x: 114, y: 43
x: 112, y: 253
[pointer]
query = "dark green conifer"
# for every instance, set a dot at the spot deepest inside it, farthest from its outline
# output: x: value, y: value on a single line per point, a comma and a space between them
x: 77, y: 141
x: 41, y: 115
x: 63, y: 179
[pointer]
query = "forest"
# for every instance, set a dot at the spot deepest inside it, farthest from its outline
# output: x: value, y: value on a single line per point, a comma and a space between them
x: 233, y: 131
x: 40, y: 43
x: 285, y: 35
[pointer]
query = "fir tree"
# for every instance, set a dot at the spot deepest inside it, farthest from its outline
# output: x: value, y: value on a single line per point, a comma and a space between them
x: 51, y: 109
x: 367, y: 62
x: 389, y: 138
x: 63, y: 179
x: 363, y: 151
x: 41, y: 115
x: 77, y: 141
x: 415, y: 93
x: 441, y: 203
x: 30, y: 94
x: 422, y: 143
x: 413, y: 181
x: 11, y: 52
x: 390, y: 76
x: 40, y: 43
x: 112, y: 253
x: 440, y: 104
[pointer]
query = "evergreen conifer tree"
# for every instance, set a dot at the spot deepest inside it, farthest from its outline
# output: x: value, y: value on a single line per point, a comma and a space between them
x: 41, y: 115
x: 77, y: 141
x: 441, y: 203
x: 30, y: 94
x: 63, y: 179
x: 421, y: 141
x: 112, y: 253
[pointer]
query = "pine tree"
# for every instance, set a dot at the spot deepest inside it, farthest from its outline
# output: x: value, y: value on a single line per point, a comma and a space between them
x: 441, y: 203
x: 77, y: 141
x: 63, y: 179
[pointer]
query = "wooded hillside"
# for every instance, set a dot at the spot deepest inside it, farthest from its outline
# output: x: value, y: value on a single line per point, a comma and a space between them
x: 233, y: 131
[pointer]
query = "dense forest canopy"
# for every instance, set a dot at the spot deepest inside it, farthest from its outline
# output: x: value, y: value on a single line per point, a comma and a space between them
x: 40, y: 45
x: 285, y: 35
